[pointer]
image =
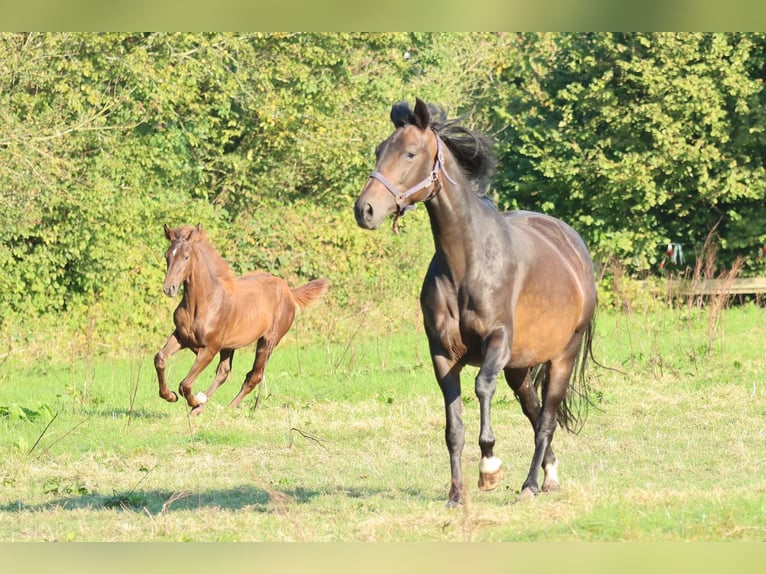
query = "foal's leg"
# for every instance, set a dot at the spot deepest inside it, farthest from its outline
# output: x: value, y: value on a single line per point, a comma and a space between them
x: 204, y: 357
x: 262, y: 353
x: 496, y: 356
x: 222, y: 372
x: 160, y: 359
x: 520, y: 382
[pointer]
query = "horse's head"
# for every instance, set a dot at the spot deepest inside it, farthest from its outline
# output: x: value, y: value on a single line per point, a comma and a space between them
x: 178, y: 256
x: 406, y: 170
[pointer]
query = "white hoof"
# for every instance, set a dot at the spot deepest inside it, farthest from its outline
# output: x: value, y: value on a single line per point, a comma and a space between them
x: 201, y: 397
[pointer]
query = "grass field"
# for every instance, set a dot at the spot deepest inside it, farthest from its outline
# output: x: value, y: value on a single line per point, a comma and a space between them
x: 347, y: 444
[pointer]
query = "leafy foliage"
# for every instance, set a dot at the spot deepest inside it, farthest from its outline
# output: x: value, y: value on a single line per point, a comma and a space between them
x: 266, y: 139
x: 15, y: 411
x: 637, y: 139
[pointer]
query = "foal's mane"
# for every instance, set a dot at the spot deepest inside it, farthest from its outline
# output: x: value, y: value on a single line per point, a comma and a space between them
x: 472, y: 150
x: 197, y: 237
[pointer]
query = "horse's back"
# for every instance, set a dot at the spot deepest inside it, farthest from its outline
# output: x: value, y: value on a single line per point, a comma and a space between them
x: 545, y: 233
x: 257, y: 276
x: 261, y: 287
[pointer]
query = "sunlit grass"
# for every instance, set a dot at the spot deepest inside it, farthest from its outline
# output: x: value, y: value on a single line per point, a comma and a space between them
x: 347, y: 444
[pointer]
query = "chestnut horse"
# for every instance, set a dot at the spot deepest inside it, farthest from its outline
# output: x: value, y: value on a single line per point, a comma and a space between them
x: 220, y: 313
x: 511, y: 292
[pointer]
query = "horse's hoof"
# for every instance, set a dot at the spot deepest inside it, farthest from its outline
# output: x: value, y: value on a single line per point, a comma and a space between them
x: 173, y: 397
x: 526, y: 494
x: 551, y: 486
x: 453, y: 504
x: 490, y: 473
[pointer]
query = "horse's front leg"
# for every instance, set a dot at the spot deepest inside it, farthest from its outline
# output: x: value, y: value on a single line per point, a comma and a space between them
x: 160, y: 359
x: 204, y: 357
x: 496, y: 357
x: 448, y: 376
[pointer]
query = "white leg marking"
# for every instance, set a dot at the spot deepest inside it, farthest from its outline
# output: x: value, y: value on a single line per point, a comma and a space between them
x: 201, y: 397
x: 552, y: 471
x: 490, y: 465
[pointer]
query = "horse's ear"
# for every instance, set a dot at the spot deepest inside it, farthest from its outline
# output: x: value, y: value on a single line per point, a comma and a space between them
x: 167, y: 233
x: 192, y: 231
x: 422, y: 116
x: 401, y: 115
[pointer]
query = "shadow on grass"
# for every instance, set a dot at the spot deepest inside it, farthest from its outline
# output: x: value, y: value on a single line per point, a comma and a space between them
x: 239, y: 498
x: 124, y: 413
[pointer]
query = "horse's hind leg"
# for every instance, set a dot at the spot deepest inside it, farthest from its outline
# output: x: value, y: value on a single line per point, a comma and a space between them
x: 521, y: 384
x: 160, y: 359
x: 221, y: 372
x: 262, y: 353
x: 554, y: 390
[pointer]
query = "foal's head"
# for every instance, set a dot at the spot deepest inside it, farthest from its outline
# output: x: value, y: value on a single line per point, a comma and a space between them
x: 178, y: 256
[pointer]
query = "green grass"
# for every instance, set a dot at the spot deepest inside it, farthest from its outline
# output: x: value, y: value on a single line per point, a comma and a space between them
x: 347, y: 445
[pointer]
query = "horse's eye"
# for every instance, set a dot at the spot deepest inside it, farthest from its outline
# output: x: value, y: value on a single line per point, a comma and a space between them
x: 409, y: 155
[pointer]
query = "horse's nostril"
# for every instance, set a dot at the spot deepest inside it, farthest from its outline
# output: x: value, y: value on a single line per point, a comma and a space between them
x: 368, y: 211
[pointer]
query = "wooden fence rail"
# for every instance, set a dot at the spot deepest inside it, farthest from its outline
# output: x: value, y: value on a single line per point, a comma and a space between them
x: 737, y: 286
x: 706, y: 287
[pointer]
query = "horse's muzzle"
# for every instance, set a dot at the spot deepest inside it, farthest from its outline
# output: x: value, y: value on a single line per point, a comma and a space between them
x: 170, y: 290
x: 365, y: 215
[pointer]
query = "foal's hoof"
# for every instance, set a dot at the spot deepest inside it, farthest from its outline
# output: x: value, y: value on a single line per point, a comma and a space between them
x: 197, y: 410
x: 172, y: 398
x: 490, y: 473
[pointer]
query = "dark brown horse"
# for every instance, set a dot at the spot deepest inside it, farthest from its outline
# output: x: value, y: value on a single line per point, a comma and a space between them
x: 511, y: 292
x: 220, y: 313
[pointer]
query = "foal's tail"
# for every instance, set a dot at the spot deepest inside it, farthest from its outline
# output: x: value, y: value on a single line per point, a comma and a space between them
x: 307, y: 293
x: 573, y: 410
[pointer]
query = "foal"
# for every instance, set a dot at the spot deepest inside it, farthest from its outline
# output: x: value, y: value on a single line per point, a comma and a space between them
x: 220, y: 313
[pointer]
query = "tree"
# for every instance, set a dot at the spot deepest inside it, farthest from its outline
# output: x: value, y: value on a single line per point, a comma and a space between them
x: 265, y: 139
x: 637, y: 139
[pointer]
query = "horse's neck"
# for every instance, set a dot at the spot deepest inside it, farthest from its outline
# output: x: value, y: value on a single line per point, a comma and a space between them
x: 458, y: 223
x: 204, y: 280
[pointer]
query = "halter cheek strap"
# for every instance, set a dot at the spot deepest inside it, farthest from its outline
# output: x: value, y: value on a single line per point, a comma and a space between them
x: 400, y: 197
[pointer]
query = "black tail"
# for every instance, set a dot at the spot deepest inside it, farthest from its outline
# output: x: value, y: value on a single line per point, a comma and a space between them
x: 573, y: 411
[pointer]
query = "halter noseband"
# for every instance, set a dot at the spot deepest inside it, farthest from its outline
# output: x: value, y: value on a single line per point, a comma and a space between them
x: 433, y: 179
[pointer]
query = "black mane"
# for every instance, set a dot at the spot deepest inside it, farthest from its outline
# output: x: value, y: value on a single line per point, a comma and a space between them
x: 472, y: 150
